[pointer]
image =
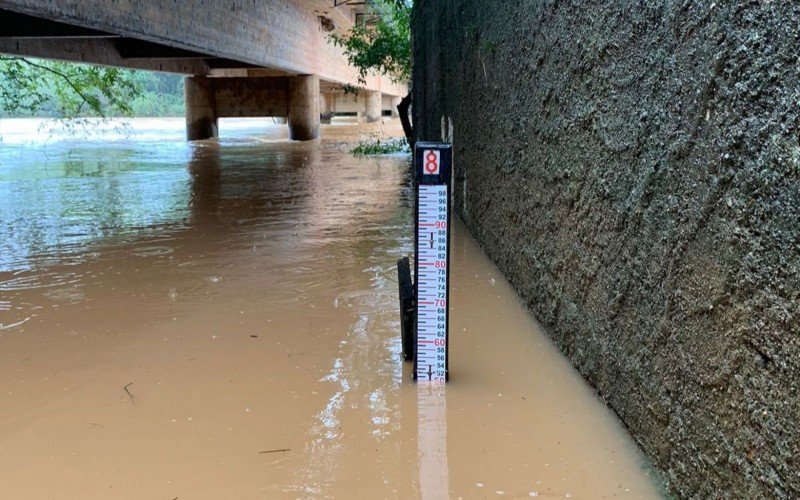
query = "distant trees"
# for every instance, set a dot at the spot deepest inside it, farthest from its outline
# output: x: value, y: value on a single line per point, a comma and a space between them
x: 161, y: 94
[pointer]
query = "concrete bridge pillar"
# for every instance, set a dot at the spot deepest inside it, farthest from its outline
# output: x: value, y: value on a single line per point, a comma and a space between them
x: 374, y: 106
x: 304, y: 116
x: 395, y: 103
x: 201, y: 112
x: 326, y: 107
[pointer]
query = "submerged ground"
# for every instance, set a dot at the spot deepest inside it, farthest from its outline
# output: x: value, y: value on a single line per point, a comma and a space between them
x: 220, y: 319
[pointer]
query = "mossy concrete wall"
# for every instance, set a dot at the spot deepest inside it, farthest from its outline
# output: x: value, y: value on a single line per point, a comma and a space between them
x: 634, y: 170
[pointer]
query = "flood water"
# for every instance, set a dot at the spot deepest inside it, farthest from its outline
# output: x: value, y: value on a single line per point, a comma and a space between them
x: 220, y: 320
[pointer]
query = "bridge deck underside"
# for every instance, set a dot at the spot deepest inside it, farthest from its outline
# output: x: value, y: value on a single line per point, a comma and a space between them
x: 266, y: 38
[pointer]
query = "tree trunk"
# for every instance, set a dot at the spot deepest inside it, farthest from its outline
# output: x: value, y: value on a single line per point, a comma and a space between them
x: 408, y: 129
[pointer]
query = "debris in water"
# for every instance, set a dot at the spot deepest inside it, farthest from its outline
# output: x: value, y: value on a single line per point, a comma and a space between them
x: 279, y: 450
x: 133, y: 398
x: 12, y: 325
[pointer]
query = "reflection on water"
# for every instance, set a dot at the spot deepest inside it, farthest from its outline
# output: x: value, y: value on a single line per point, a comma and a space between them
x: 434, y: 474
x: 219, y: 319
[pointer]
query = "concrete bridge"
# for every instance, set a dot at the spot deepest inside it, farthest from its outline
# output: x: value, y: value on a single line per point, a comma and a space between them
x: 243, y: 58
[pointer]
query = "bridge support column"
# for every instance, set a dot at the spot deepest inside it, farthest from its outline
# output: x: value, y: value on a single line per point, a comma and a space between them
x: 304, y: 116
x: 374, y: 106
x: 201, y: 109
x: 395, y: 103
x: 326, y: 107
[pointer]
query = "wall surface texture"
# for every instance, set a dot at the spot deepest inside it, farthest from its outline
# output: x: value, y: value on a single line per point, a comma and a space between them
x: 634, y: 170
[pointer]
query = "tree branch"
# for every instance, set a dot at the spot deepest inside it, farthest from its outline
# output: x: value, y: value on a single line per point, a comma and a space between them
x: 67, y: 79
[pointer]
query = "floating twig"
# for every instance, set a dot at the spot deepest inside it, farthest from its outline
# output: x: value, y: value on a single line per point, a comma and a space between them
x: 133, y: 398
x: 12, y: 325
x: 279, y: 450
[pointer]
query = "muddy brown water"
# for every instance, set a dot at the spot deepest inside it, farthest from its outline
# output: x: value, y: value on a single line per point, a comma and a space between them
x: 219, y: 320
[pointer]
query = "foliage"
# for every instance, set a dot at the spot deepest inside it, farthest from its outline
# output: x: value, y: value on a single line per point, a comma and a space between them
x: 488, y: 45
x: 470, y: 31
x: 50, y: 89
x: 376, y: 146
x: 384, y: 47
x: 351, y: 90
x: 64, y: 90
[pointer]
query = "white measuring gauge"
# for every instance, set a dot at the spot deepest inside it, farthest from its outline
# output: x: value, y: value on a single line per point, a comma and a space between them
x: 433, y: 260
